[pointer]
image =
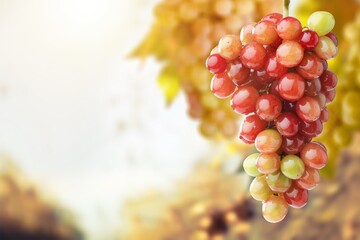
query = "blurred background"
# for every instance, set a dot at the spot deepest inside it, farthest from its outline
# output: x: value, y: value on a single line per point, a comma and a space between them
x: 109, y: 131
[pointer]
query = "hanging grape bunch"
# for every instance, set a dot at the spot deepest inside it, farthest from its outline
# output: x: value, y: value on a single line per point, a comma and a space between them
x: 276, y: 75
x: 181, y: 37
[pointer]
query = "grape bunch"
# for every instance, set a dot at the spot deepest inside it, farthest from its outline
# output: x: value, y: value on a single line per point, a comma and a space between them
x: 181, y: 37
x: 276, y: 74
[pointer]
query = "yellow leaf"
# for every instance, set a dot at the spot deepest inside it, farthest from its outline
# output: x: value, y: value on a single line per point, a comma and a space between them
x: 169, y: 84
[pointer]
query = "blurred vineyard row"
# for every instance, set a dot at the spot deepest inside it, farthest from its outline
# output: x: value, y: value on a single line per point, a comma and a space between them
x: 26, y: 214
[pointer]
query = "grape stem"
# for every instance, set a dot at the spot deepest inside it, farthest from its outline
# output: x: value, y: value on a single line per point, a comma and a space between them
x: 286, y: 7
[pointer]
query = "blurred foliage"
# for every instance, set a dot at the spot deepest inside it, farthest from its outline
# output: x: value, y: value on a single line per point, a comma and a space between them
x: 204, y: 205
x: 25, y: 214
x: 182, y: 36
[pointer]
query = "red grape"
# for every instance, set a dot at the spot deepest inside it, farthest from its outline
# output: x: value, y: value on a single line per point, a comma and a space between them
x: 273, y: 68
x: 265, y: 33
x: 312, y: 87
x: 330, y: 95
x: 244, y: 100
x: 268, y: 163
x: 291, y: 87
x: 246, y: 35
x: 311, y: 129
x: 251, y: 126
x: 314, y: 155
x: 287, y: 124
x: 328, y: 80
x: 308, y: 39
x: 216, y: 64
x: 310, y: 67
x: 333, y: 37
x: 238, y: 72
x: 289, y: 28
x: 324, y: 116
x: 308, y: 109
x: 253, y: 56
x: 289, y: 54
x: 268, y: 107
x: 268, y: 141
x: 309, y: 180
x: 296, y: 197
x: 222, y: 86
x: 294, y: 144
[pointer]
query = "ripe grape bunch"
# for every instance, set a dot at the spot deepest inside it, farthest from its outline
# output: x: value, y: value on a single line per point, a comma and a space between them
x: 277, y: 76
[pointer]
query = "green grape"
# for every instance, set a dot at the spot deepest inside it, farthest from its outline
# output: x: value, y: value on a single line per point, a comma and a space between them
x: 249, y: 165
x: 259, y: 189
x: 278, y: 182
x: 321, y: 22
x: 292, y: 166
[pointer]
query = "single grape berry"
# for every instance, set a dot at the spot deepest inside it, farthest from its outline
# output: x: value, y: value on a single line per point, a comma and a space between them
x: 308, y: 39
x: 216, y: 64
x: 309, y: 180
x: 308, y: 109
x: 310, y: 67
x: 244, y: 100
x: 292, y: 166
x: 328, y: 80
x: 251, y: 126
x: 253, y: 56
x: 321, y: 22
x: 296, y: 197
x: 291, y: 87
x: 326, y: 48
x: 268, y: 107
x: 314, y: 155
x: 287, y: 124
x: 229, y: 47
x: 333, y: 37
x: 268, y: 163
x: 289, y: 28
x: 238, y: 72
x: 311, y: 129
x: 275, y: 209
x: 249, y: 165
x: 222, y: 86
x: 289, y: 54
x: 259, y: 189
x: 293, y: 144
x: 265, y: 33
x: 268, y: 141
